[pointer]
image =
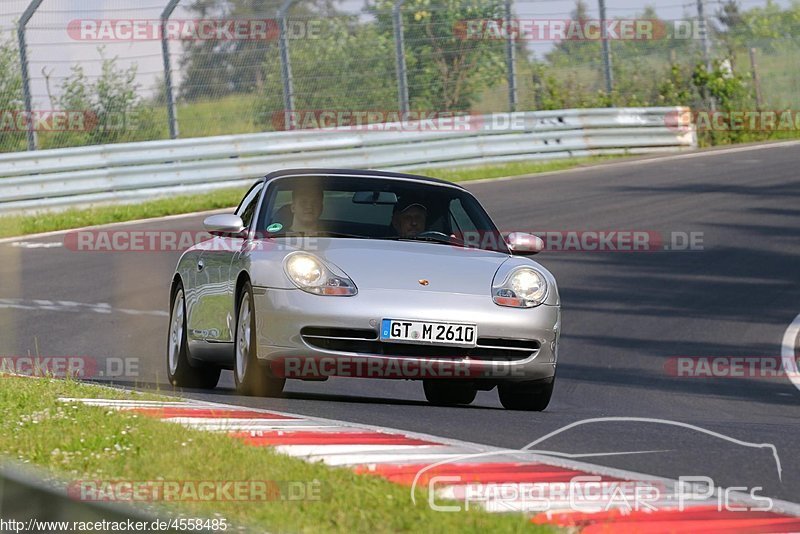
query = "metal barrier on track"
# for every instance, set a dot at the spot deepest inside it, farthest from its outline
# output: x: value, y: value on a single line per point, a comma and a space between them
x: 127, y: 172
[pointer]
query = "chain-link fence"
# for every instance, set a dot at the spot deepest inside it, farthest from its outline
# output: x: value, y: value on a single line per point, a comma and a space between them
x: 108, y: 72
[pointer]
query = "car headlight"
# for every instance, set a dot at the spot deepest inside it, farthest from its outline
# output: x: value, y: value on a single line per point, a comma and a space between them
x: 312, y: 275
x: 524, y: 287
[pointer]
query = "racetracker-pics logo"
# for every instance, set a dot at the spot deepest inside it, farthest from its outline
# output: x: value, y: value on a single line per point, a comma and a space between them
x: 195, y: 490
x: 191, y: 29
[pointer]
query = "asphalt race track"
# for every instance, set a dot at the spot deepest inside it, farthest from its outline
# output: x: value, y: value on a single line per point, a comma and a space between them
x: 625, y: 315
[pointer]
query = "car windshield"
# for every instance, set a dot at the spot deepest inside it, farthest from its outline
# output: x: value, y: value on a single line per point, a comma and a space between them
x: 376, y: 208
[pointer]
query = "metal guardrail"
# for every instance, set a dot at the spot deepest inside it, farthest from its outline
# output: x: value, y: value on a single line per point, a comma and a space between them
x: 60, y: 178
x: 32, y: 500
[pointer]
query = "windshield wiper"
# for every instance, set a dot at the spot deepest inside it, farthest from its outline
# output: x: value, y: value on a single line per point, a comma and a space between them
x: 440, y: 239
x: 320, y: 233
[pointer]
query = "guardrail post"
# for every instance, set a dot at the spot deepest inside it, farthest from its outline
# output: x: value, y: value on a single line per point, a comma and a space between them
x: 26, y: 81
x: 286, y: 66
x: 511, y: 53
x: 703, y: 33
x: 172, y: 116
x: 606, y: 49
x: 400, y: 55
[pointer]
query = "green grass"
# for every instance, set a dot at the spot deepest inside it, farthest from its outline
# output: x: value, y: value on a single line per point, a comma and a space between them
x: 79, y: 442
x: 18, y: 225
x: 521, y: 168
x: 15, y: 225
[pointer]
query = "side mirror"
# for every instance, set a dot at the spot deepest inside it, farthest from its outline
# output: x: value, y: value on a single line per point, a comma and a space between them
x: 524, y: 244
x: 224, y: 225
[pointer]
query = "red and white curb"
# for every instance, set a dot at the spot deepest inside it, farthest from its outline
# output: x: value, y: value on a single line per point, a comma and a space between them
x: 455, y: 469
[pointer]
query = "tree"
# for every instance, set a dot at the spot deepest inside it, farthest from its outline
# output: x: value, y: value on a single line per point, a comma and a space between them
x: 215, y: 68
x: 446, y: 68
x: 10, y: 96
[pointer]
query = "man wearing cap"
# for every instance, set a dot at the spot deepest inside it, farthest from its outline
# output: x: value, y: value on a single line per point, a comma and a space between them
x: 409, y: 218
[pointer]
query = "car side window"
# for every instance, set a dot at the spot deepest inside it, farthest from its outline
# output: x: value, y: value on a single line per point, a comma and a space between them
x: 459, y: 219
x: 247, y: 208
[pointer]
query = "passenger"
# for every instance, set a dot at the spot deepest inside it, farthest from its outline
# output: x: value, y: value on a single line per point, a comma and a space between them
x: 306, y: 208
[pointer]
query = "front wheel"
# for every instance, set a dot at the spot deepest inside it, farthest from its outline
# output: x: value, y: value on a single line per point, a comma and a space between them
x: 533, y: 396
x: 180, y: 371
x: 444, y: 393
x: 250, y: 377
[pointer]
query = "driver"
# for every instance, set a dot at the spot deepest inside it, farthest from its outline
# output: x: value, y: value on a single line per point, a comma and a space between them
x: 306, y: 208
x: 409, y: 218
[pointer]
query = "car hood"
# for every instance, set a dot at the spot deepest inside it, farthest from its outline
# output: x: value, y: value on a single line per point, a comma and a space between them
x: 387, y: 264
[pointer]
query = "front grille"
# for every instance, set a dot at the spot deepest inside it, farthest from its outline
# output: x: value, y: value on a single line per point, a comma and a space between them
x: 365, y: 341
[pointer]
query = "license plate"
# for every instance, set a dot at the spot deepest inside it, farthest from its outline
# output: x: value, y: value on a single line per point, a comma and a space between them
x: 427, y: 332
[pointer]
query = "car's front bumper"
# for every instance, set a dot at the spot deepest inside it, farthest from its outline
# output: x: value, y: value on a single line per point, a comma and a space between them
x: 282, y: 314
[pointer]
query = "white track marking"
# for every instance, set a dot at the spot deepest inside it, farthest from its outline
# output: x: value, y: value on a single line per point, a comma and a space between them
x: 31, y: 244
x: 121, y: 403
x: 74, y: 307
x: 788, y: 354
x: 379, y: 458
x: 117, y: 224
x: 324, y: 451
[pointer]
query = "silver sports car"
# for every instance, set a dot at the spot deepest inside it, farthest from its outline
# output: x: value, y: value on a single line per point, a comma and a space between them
x: 350, y: 273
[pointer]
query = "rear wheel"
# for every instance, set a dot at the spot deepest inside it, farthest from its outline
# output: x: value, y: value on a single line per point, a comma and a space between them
x: 533, y: 396
x: 445, y: 393
x: 180, y: 370
x: 250, y: 377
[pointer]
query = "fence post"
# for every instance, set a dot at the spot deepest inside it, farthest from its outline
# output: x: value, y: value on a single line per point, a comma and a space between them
x: 703, y: 32
x: 756, y: 78
x: 606, y: 49
x: 511, y: 67
x: 286, y: 66
x: 172, y: 116
x: 26, y: 81
x: 400, y: 56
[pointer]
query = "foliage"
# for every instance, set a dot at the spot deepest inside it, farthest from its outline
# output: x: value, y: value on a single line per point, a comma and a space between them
x: 112, y: 107
x: 446, y: 69
x: 10, y: 94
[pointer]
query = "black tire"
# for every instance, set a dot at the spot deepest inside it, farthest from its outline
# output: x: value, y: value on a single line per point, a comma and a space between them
x: 250, y: 376
x: 531, y: 396
x: 446, y: 393
x: 181, y: 370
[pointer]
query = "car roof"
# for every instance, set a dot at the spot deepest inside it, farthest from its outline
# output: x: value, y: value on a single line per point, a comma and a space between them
x: 360, y: 173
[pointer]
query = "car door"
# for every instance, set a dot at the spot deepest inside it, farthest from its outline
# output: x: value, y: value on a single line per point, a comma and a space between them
x: 213, y: 317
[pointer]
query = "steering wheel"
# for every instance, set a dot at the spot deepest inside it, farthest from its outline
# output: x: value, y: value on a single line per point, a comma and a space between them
x: 434, y: 233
